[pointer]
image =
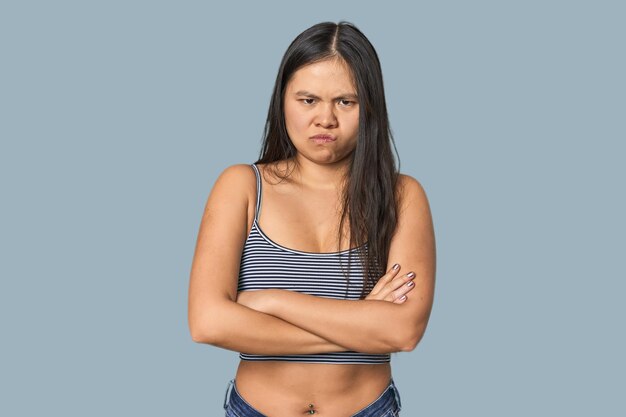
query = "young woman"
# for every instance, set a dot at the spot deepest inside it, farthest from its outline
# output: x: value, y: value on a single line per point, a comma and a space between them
x: 317, y: 261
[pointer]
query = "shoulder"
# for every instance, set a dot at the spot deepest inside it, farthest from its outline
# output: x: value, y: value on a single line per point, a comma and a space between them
x: 235, y: 184
x: 410, y: 192
x: 237, y: 178
x: 237, y: 174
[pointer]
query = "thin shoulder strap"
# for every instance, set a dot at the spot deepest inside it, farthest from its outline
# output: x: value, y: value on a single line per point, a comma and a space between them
x: 257, y: 210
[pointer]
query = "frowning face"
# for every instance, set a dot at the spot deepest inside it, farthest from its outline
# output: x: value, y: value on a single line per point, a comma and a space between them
x: 322, y: 111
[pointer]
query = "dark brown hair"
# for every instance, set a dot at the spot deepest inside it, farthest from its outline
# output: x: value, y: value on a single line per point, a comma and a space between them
x: 369, y: 198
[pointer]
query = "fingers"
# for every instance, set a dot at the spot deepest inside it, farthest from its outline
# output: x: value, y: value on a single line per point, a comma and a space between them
x: 393, y: 287
x: 399, y: 287
x: 383, y: 281
x: 391, y: 273
x: 403, y: 285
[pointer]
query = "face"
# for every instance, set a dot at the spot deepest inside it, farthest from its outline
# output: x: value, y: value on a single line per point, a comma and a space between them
x: 321, y: 99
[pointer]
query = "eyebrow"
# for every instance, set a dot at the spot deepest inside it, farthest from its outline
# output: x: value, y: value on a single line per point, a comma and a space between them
x: 342, y: 96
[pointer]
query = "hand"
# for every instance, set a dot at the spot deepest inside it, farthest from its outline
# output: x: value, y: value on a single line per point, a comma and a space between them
x: 391, y: 287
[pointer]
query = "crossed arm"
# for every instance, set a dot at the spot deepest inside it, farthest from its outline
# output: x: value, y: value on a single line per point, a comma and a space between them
x: 275, y: 322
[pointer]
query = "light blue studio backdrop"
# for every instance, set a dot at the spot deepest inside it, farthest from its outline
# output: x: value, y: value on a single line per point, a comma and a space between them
x: 117, y: 117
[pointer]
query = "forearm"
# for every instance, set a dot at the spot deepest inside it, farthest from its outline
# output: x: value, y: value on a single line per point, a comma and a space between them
x: 238, y: 328
x: 368, y: 326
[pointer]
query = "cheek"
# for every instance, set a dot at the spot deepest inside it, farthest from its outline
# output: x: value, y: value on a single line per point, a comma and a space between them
x: 352, y: 123
x: 294, y: 120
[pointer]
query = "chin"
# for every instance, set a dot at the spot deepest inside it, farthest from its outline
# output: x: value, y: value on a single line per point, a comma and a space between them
x: 327, y: 158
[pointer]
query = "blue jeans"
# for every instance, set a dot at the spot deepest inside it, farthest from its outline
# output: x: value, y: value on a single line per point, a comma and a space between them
x: 388, y: 404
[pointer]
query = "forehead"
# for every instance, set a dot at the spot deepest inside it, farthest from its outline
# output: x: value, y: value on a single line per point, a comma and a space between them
x: 323, y: 76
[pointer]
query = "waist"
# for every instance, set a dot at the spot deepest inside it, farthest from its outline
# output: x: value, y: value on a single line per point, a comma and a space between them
x: 286, y: 388
x: 301, y: 380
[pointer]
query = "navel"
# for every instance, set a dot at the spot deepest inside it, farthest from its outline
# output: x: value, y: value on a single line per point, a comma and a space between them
x: 311, y: 409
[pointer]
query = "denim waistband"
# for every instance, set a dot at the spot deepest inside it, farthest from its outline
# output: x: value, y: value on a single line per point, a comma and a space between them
x: 386, y: 399
x: 383, y: 403
x: 239, y: 405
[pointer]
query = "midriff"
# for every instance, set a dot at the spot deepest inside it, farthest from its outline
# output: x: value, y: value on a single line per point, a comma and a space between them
x: 285, y: 389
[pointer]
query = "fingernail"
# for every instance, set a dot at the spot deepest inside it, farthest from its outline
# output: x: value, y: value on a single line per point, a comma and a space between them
x: 411, y: 274
x: 410, y: 284
x: 396, y: 266
x: 402, y: 298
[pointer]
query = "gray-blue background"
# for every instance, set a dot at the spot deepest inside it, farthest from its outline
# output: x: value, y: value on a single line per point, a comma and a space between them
x: 116, y: 118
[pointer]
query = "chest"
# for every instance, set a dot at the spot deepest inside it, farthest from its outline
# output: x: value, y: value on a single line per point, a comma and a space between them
x: 268, y: 265
x: 306, y: 221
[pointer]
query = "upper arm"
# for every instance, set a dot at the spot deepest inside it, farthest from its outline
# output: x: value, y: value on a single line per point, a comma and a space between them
x: 413, y: 247
x: 222, y: 234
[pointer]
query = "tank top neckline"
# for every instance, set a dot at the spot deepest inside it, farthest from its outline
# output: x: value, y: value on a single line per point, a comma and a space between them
x: 257, y: 226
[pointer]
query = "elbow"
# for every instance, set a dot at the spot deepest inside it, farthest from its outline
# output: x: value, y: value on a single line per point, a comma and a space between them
x: 203, y: 330
x: 410, y: 344
x: 409, y: 340
x: 198, y: 335
x: 206, y: 323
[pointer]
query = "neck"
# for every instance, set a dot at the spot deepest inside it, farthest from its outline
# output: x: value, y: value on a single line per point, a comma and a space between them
x: 320, y: 176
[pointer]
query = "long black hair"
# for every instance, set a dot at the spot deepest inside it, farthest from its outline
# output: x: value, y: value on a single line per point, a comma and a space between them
x: 370, y: 197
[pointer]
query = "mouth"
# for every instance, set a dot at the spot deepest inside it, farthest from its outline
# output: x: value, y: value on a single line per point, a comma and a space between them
x: 323, y: 138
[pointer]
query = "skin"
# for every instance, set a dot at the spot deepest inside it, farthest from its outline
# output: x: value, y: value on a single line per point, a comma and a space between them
x: 302, y: 214
x: 321, y: 99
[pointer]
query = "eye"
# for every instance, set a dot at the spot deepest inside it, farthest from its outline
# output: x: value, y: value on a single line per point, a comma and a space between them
x: 308, y: 100
x: 346, y: 103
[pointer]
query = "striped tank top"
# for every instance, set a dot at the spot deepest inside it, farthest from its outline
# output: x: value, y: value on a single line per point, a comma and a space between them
x: 266, y: 264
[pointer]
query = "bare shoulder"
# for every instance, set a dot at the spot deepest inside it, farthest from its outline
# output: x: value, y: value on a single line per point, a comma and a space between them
x: 411, y: 194
x: 236, y: 184
x: 238, y: 176
x: 234, y: 194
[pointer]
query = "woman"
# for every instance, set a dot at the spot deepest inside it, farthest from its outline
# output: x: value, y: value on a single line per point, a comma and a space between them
x: 317, y: 261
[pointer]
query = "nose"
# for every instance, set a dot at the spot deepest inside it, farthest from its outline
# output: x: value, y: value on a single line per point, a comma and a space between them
x: 326, y: 117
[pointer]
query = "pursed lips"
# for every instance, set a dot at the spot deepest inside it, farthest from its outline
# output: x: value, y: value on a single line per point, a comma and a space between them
x: 323, y: 138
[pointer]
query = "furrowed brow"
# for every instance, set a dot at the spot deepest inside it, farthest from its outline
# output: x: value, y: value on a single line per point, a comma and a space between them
x: 347, y: 96
x: 305, y: 93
